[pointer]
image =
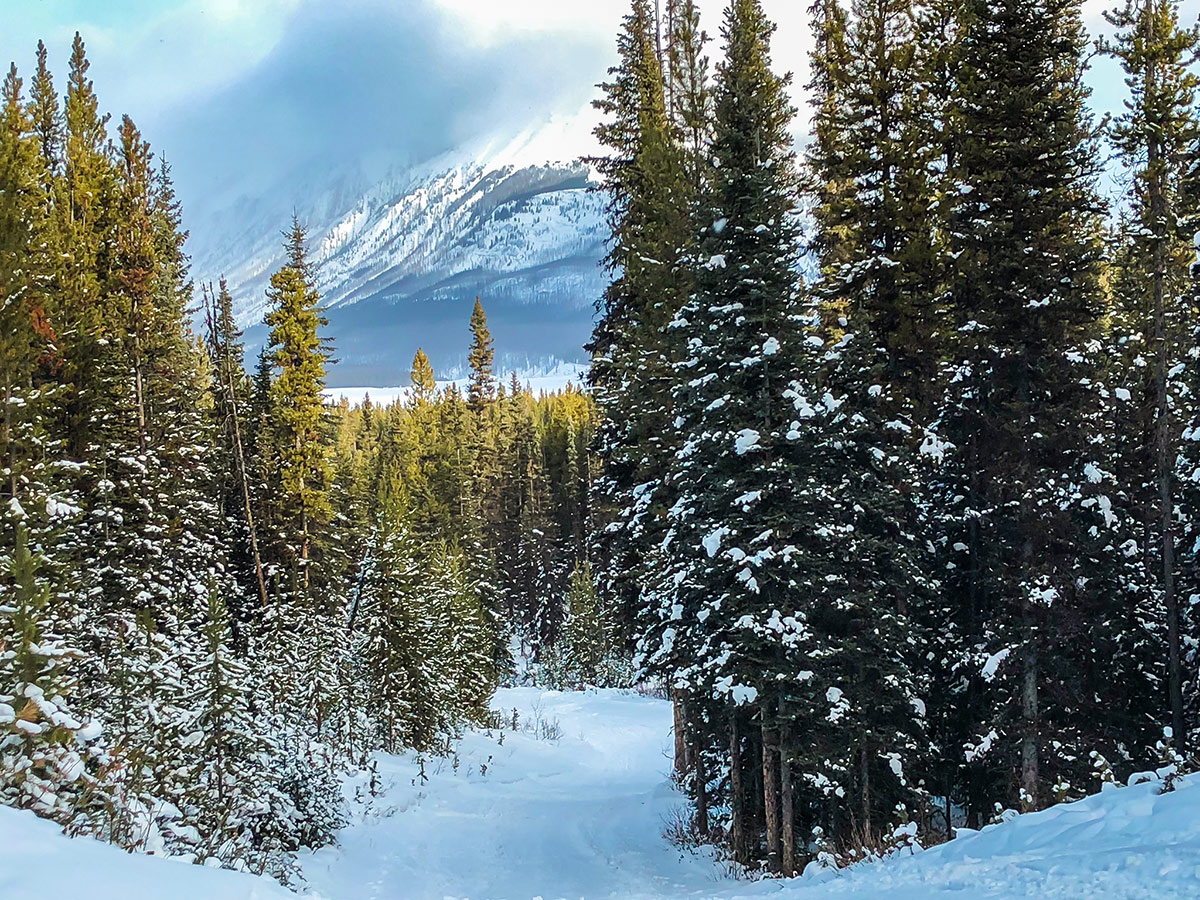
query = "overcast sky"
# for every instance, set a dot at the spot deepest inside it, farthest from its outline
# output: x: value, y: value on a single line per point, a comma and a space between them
x: 252, y: 88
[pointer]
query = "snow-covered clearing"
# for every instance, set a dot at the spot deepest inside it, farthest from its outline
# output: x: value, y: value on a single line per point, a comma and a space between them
x: 572, y: 805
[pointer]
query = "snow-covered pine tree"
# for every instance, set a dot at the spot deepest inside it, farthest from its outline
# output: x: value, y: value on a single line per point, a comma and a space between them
x: 231, y: 793
x: 231, y: 392
x: 51, y: 757
x: 648, y: 214
x: 469, y: 632
x: 402, y: 662
x: 1156, y: 137
x: 588, y: 636
x: 725, y: 582
x: 1023, y: 307
x: 874, y: 243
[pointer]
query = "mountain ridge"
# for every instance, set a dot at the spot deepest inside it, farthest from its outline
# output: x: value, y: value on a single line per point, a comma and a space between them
x: 400, y: 257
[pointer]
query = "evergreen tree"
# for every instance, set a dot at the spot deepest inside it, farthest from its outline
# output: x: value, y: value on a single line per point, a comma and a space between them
x: 727, y: 576
x: 50, y: 755
x: 25, y: 336
x: 423, y: 381
x: 481, y: 359
x: 84, y: 221
x: 1023, y: 307
x: 651, y: 202
x: 46, y: 117
x: 587, y: 632
x: 296, y: 409
x: 1156, y: 137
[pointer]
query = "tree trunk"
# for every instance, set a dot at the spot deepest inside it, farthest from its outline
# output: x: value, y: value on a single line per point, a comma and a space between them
x: 770, y: 777
x: 787, y: 806
x: 864, y: 776
x: 737, y: 798
x: 139, y: 390
x: 1029, y: 699
x: 949, y: 813
x: 245, y: 479
x: 701, y: 778
x: 681, y: 744
x: 1165, y: 458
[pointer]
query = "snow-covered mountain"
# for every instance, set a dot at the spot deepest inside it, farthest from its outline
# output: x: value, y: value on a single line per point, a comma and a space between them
x: 402, y: 252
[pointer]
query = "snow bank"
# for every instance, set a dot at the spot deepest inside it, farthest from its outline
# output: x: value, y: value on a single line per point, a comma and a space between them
x: 37, y: 862
x: 1122, y: 844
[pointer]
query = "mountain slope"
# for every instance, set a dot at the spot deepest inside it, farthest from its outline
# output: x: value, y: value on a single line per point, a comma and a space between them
x: 401, y: 258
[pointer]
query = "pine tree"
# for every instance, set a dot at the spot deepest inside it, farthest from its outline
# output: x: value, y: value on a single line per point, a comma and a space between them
x: 231, y: 410
x: 651, y: 202
x: 875, y: 243
x: 402, y: 658
x: 25, y: 271
x: 85, y: 223
x: 690, y: 91
x: 1023, y: 307
x: 50, y: 755
x: 231, y: 791
x: 1156, y: 136
x: 481, y: 359
x: 726, y: 577
x: 46, y: 117
x: 296, y: 408
x: 423, y: 381
x: 587, y: 632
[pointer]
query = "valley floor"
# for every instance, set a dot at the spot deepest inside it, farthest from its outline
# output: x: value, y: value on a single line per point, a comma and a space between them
x: 573, y: 803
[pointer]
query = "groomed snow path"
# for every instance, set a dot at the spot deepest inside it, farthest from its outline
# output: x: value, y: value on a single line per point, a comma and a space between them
x: 577, y: 816
x: 582, y: 815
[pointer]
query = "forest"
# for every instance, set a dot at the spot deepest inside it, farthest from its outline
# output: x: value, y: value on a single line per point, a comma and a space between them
x: 887, y: 473
x: 222, y: 593
x: 901, y: 434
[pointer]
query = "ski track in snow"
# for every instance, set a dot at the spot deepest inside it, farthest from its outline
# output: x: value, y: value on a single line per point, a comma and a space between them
x: 581, y: 818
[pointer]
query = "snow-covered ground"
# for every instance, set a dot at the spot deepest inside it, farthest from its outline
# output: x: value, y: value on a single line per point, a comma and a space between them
x: 572, y: 804
x: 38, y: 863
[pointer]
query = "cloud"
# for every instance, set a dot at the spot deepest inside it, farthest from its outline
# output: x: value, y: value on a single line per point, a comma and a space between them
x: 370, y: 78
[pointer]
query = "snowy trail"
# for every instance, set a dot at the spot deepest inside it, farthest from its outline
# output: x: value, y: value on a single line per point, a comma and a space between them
x: 580, y: 816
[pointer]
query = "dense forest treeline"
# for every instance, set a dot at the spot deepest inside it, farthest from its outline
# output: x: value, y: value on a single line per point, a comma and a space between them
x: 913, y: 539
x: 220, y: 592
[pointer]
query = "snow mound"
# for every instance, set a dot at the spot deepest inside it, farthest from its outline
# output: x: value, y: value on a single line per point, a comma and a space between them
x: 38, y: 862
x: 1122, y: 844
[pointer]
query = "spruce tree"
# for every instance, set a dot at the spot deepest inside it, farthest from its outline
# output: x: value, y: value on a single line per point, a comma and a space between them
x: 1156, y: 136
x: 649, y: 213
x: 423, y: 381
x: 298, y: 357
x: 1023, y: 307
x: 727, y: 575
